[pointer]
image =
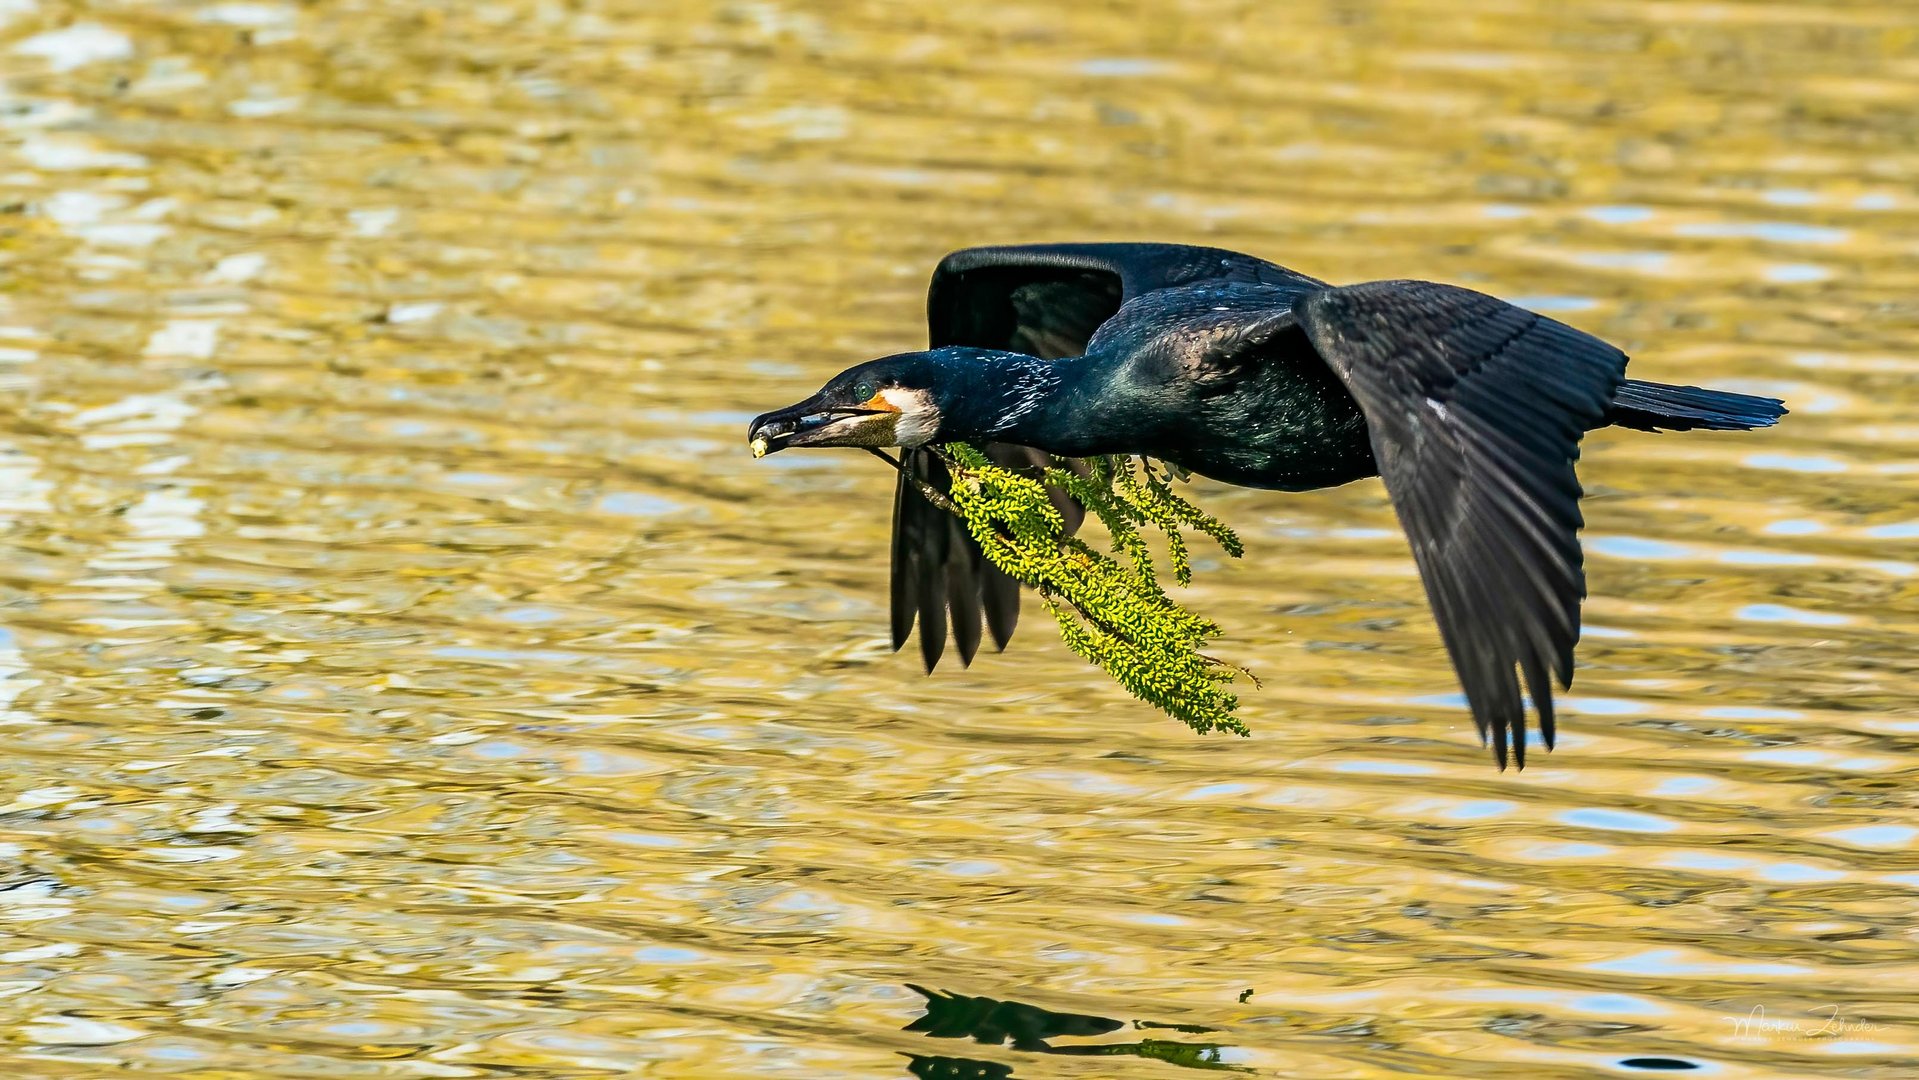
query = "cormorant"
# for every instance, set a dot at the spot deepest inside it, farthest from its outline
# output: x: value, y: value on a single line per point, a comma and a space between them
x: 1469, y: 408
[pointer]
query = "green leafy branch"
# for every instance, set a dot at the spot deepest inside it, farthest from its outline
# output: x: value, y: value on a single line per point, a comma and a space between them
x: 1111, y: 611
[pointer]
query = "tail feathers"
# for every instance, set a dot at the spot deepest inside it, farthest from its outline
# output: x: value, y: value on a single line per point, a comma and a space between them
x: 1651, y: 406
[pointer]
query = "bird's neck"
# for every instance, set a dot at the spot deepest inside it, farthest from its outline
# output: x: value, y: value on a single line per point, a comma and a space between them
x: 1051, y: 405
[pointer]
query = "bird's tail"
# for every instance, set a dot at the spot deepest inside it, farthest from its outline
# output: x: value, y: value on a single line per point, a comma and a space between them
x: 1651, y: 406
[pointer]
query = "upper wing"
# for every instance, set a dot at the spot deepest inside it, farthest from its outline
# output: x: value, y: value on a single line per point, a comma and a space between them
x: 1047, y: 299
x: 1475, y: 409
x: 1044, y: 300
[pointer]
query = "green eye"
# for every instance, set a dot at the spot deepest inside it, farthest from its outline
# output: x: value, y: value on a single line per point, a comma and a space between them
x: 863, y: 392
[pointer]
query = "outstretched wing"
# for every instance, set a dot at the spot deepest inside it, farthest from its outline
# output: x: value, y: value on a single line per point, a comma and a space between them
x: 1044, y: 300
x: 1475, y: 409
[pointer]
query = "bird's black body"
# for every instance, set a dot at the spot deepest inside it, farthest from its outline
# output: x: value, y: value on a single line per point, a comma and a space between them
x: 1471, y: 410
x: 1272, y: 416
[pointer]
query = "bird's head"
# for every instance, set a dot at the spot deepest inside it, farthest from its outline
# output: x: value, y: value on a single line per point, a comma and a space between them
x: 893, y: 401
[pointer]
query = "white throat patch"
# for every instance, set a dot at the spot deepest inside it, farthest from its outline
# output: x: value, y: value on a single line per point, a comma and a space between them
x: 919, y: 419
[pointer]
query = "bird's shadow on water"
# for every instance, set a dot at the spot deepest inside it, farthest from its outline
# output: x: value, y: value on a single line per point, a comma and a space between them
x: 1030, y: 1028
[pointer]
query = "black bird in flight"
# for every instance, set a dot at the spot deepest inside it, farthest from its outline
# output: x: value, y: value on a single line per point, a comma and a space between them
x: 1470, y: 410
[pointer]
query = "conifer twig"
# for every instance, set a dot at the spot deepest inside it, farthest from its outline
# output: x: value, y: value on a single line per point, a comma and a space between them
x: 1113, y: 613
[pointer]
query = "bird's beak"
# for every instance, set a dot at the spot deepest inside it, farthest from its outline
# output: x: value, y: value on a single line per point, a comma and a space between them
x: 815, y: 423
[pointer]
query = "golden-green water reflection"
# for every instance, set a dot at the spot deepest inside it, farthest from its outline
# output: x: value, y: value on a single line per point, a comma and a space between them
x: 411, y: 675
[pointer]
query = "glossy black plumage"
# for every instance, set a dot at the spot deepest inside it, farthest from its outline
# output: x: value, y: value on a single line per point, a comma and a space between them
x: 1470, y: 409
x: 1476, y: 409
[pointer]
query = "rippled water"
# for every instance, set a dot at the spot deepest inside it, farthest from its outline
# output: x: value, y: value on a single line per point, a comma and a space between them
x: 410, y: 675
